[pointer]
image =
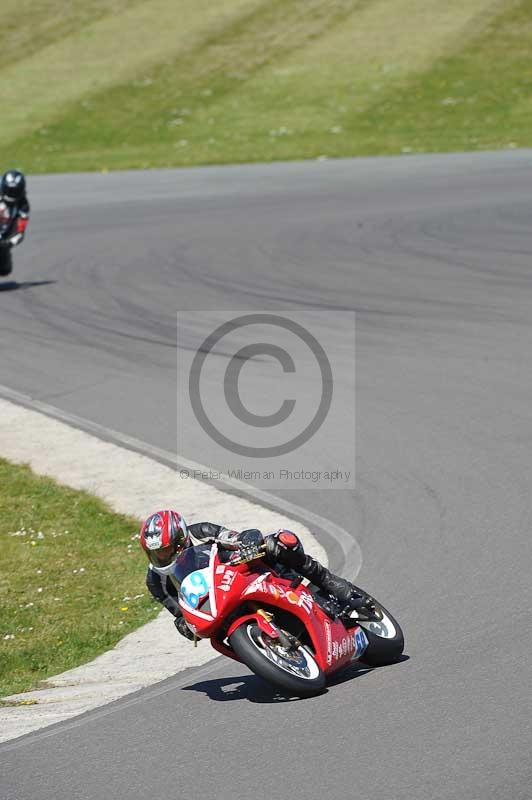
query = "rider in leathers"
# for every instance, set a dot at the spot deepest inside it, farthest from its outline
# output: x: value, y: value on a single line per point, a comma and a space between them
x: 283, y: 549
x: 14, y: 205
x: 14, y: 215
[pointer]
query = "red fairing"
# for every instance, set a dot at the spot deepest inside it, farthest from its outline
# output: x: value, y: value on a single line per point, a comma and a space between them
x: 341, y: 645
x: 228, y: 583
x: 251, y: 587
x: 22, y: 224
x: 333, y: 644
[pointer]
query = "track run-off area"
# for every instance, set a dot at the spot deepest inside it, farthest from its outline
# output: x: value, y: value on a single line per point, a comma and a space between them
x: 434, y: 255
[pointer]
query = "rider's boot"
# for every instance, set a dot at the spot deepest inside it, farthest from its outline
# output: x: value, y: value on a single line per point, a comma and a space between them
x: 340, y: 588
x: 286, y: 548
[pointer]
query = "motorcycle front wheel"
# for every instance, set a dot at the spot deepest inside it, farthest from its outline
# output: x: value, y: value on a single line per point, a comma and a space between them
x: 295, y: 670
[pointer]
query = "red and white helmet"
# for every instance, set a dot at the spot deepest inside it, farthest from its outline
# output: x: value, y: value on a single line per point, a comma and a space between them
x: 163, y: 537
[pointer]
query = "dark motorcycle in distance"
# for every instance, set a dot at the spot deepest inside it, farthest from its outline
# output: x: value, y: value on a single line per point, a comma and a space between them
x: 12, y: 229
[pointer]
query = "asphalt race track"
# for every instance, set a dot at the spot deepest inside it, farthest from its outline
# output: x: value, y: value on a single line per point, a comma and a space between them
x: 435, y: 256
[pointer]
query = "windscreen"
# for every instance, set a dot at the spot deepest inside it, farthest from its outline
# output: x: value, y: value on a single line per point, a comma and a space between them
x: 191, y: 560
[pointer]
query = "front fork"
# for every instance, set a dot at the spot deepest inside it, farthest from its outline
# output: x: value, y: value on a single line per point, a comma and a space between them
x: 266, y: 624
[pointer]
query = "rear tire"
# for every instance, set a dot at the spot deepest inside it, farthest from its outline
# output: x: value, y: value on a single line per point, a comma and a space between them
x: 256, y: 651
x: 382, y: 649
x: 6, y: 263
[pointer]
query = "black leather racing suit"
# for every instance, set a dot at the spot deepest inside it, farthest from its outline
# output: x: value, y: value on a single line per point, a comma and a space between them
x: 14, y: 219
x: 164, y: 591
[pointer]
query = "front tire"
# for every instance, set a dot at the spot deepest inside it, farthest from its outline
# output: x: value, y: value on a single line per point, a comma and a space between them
x: 6, y: 263
x: 295, y: 672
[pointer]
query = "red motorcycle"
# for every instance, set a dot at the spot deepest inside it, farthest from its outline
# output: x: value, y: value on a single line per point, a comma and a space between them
x: 290, y: 634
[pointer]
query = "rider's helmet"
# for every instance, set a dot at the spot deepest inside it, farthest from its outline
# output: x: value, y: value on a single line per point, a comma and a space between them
x: 163, y: 537
x: 13, y: 186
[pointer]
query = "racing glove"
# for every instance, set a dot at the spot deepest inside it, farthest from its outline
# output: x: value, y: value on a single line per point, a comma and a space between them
x: 285, y: 547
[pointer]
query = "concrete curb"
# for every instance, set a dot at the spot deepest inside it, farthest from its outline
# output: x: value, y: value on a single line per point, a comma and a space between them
x: 111, y: 467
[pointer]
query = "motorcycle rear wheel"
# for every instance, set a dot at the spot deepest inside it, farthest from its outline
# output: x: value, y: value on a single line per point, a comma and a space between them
x: 6, y: 263
x: 295, y: 672
x: 385, y: 637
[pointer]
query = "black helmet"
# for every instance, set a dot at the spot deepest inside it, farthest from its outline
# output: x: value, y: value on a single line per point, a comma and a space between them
x: 13, y: 186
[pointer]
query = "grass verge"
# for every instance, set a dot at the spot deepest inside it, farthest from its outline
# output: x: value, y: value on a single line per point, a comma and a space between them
x: 71, y: 578
x: 281, y: 80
